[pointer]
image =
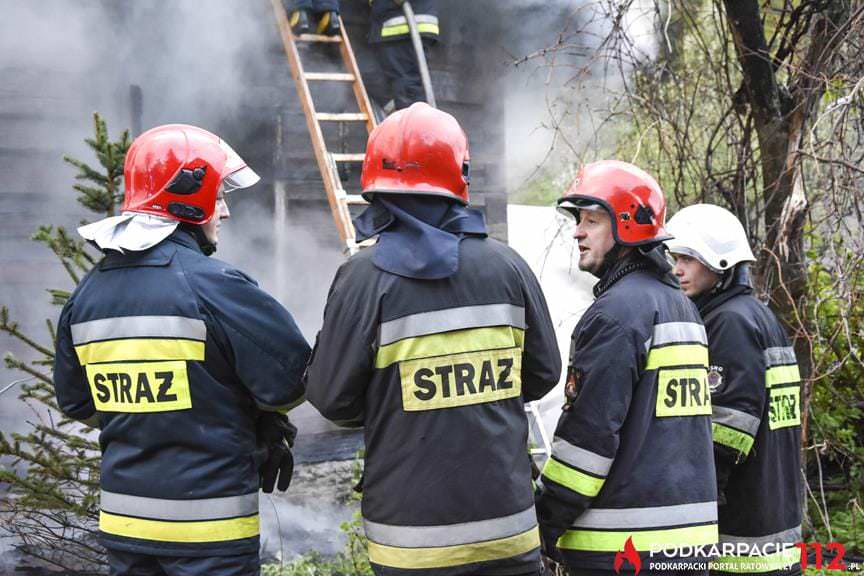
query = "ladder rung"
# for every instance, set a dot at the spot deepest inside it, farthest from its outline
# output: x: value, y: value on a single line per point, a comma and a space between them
x: 332, y: 76
x: 317, y: 38
x: 348, y: 157
x: 355, y: 199
x: 341, y: 117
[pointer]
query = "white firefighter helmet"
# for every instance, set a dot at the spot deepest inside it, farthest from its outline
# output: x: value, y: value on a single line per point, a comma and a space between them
x: 711, y: 234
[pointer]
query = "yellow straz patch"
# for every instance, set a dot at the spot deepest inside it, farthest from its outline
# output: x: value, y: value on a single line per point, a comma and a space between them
x: 461, y: 379
x: 683, y: 392
x: 140, y: 387
x: 784, y: 409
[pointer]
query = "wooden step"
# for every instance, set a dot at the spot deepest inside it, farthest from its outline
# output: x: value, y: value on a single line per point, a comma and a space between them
x: 341, y: 117
x: 348, y: 157
x: 330, y: 76
x: 317, y: 38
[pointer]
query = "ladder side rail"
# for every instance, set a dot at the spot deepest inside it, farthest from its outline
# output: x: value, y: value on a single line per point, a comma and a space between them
x: 331, y: 185
x: 360, y: 94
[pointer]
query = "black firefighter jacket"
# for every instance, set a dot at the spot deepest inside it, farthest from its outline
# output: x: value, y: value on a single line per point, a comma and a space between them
x: 388, y: 21
x: 632, y: 455
x: 756, y: 395
x: 437, y: 372
x: 176, y: 353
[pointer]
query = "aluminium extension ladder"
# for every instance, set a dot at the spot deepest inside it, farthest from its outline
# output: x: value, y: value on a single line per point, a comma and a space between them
x: 337, y: 197
x: 328, y: 162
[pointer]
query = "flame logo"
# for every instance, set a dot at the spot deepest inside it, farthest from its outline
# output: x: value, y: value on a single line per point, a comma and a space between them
x: 630, y: 555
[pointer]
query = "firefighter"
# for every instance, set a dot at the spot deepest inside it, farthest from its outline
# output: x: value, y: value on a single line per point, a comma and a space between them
x: 390, y: 36
x: 183, y: 363
x: 755, y: 391
x: 631, y: 466
x: 304, y: 12
x: 433, y: 340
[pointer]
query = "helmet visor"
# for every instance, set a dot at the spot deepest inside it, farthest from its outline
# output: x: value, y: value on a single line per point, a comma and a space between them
x: 242, y: 178
x: 238, y: 174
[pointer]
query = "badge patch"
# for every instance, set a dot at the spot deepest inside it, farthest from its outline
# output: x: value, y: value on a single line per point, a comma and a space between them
x: 571, y: 387
x: 715, y: 377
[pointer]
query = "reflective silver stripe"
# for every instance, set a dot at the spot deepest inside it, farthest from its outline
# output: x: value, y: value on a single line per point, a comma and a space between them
x: 656, y: 517
x: 736, y: 419
x: 676, y: 332
x: 779, y: 356
x: 139, y: 327
x: 450, y: 534
x: 791, y: 535
x: 159, y: 509
x: 452, y: 319
x: 580, y: 458
x: 419, y: 18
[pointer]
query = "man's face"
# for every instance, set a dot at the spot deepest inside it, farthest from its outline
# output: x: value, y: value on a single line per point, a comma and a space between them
x: 594, y: 236
x: 695, y: 278
x: 211, y: 227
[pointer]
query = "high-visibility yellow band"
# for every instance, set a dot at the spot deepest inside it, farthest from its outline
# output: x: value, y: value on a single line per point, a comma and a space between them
x: 447, y: 556
x: 164, y: 531
x: 782, y: 375
x: 735, y: 439
x: 678, y: 355
x: 134, y: 349
x: 403, y: 30
x: 573, y: 479
x: 455, y: 342
x: 755, y: 564
x: 597, y: 541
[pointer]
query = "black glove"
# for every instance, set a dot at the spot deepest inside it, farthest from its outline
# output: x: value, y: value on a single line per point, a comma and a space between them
x: 551, y: 528
x: 275, y: 435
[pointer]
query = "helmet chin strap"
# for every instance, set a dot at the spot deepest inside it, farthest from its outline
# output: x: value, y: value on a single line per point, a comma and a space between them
x: 207, y: 247
x: 609, y: 260
x: 738, y: 275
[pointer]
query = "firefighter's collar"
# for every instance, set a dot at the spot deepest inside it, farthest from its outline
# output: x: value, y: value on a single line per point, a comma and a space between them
x: 418, y: 237
x: 131, y: 231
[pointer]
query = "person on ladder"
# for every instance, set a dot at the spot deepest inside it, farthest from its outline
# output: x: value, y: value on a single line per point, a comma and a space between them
x: 391, y: 37
x: 304, y: 11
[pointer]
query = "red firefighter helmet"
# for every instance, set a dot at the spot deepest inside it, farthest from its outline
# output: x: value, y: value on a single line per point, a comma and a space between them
x: 175, y: 171
x: 630, y: 195
x: 418, y: 150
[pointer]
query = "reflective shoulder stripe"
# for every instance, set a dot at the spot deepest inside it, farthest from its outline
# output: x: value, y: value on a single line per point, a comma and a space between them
x: 572, y: 479
x: 736, y: 419
x: 677, y: 333
x: 161, y: 531
x: 419, y: 18
x: 789, y: 536
x: 780, y: 355
x: 613, y: 541
x: 735, y: 439
x: 677, y: 355
x: 782, y: 375
x: 140, y: 349
x: 459, y: 555
x: 653, y: 517
x: 182, y: 510
x: 580, y: 457
x: 460, y: 341
x: 451, y: 319
x: 139, y: 327
x: 450, y: 534
x: 780, y: 560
